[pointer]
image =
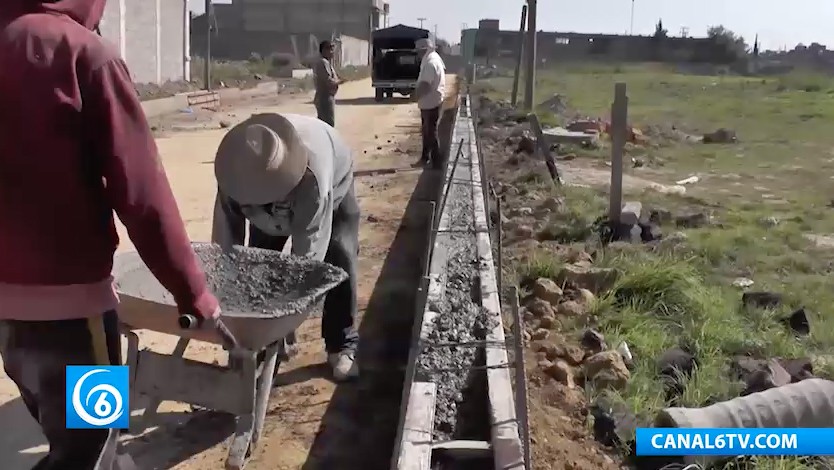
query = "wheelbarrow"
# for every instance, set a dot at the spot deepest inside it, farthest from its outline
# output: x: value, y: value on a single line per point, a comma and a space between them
x: 264, y: 297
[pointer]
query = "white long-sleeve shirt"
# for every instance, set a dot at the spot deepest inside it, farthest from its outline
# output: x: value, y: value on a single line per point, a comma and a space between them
x: 307, y: 214
x: 433, y: 72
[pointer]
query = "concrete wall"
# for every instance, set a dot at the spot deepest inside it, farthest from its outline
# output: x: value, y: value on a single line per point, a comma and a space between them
x: 493, y: 46
x: 353, y: 52
x: 240, y: 45
x: 352, y: 17
x: 151, y: 36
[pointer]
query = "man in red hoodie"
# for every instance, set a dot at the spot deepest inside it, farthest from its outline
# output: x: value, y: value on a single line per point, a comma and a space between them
x: 75, y: 148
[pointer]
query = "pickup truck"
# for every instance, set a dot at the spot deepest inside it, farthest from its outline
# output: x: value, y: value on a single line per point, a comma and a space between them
x: 396, y: 65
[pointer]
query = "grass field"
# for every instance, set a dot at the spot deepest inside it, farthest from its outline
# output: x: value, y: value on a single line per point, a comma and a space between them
x: 767, y: 194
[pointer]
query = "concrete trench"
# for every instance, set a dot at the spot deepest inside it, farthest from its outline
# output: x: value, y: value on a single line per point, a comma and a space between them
x: 458, y: 409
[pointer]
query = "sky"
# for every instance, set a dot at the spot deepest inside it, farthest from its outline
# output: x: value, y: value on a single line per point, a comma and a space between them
x: 779, y: 23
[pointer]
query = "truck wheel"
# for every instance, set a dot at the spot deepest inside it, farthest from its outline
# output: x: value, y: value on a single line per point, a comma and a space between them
x: 379, y: 96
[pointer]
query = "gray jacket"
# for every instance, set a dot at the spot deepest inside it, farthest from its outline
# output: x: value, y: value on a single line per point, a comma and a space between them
x: 307, y: 215
x: 323, y: 73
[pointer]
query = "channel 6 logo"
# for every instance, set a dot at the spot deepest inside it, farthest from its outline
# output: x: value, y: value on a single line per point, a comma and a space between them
x: 97, y: 397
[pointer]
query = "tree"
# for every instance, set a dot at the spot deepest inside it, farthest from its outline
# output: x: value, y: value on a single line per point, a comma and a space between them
x: 728, y: 46
x: 659, y: 31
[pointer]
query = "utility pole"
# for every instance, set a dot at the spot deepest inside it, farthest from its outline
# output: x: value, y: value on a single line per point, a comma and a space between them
x: 530, y: 88
x: 631, y: 29
x: 520, y: 52
x: 207, y: 72
x: 421, y: 20
x: 435, y: 31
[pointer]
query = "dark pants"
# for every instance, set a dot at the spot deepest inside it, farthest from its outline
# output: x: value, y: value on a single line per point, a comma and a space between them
x: 326, y: 108
x: 35, y: 355
x: 339, y: 317
x: 431, y: 146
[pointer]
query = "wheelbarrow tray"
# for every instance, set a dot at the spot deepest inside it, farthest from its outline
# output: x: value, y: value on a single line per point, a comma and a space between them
x: 264, y: 295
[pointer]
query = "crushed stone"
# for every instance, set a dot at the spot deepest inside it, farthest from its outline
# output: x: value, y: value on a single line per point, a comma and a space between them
x: 461, y: 400
x: 249, y: 281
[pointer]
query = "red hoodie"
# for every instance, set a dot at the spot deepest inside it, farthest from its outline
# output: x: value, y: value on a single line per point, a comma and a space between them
x: 74, y: 147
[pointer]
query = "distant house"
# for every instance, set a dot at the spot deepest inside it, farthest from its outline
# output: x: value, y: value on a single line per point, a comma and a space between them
x: 151, y: 36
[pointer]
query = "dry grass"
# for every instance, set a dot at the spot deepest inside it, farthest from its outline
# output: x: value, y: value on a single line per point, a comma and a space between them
x: 779, y: 171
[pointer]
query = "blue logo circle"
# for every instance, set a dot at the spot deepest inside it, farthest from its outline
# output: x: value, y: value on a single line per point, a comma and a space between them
x: 95, y: 401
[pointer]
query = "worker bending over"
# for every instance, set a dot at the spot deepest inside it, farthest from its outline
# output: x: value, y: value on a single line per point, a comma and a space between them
x: 431, y: 89
x: 75, y: 147
x: 292, y: 176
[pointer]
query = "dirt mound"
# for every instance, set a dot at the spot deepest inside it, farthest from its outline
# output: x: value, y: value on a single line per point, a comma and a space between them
x: 557, y: 428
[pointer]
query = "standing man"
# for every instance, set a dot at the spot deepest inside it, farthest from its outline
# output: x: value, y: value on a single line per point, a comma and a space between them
x: 76, y: 148
x: 292, y: 176
x: 327, y: 83
x: 431, y: 89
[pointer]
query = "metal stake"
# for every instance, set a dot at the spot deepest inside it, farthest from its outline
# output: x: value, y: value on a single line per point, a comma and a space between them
x: 520, y: 378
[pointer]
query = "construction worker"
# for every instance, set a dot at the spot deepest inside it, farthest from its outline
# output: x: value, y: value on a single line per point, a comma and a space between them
x: 431, y: 89
x: 76, y: 148
x: 291, y: 176
x: 327, y: 83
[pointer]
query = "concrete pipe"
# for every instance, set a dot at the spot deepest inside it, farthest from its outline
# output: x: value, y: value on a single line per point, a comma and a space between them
x: 806, y: 404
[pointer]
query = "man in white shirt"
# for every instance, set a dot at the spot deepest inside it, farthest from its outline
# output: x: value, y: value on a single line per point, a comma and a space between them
x: 431, y: 89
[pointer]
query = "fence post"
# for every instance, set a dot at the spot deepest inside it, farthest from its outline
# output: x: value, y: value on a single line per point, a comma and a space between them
x: 619, y: 123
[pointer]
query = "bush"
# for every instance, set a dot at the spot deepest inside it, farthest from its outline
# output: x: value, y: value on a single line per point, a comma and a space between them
x: 280, y: 60
x: 805, y: 80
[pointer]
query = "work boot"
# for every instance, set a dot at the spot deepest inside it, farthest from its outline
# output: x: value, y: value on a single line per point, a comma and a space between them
x: 344, y: 365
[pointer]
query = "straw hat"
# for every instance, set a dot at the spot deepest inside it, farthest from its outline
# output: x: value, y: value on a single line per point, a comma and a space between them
x: 261, y: 160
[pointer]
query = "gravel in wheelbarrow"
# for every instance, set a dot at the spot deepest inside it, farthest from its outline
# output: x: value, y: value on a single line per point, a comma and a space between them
x: 257, y: 289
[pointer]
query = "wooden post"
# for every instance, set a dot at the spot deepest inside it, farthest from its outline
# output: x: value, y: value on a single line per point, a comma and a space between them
x: 544, y: 148
x: 619, y: 122
x: 520, y: 55
x: 530, y: 88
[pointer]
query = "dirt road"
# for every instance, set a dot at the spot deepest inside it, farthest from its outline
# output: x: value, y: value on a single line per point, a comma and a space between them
x: 312, y: 423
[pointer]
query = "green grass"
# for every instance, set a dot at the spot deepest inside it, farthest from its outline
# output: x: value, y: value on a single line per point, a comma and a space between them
x: 684, y: 297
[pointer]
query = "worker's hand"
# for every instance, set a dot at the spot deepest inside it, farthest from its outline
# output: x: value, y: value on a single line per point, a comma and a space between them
x: 215, y: 323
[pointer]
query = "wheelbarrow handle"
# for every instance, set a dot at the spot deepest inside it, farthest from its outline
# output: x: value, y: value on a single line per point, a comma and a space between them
x: 190, y: 322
